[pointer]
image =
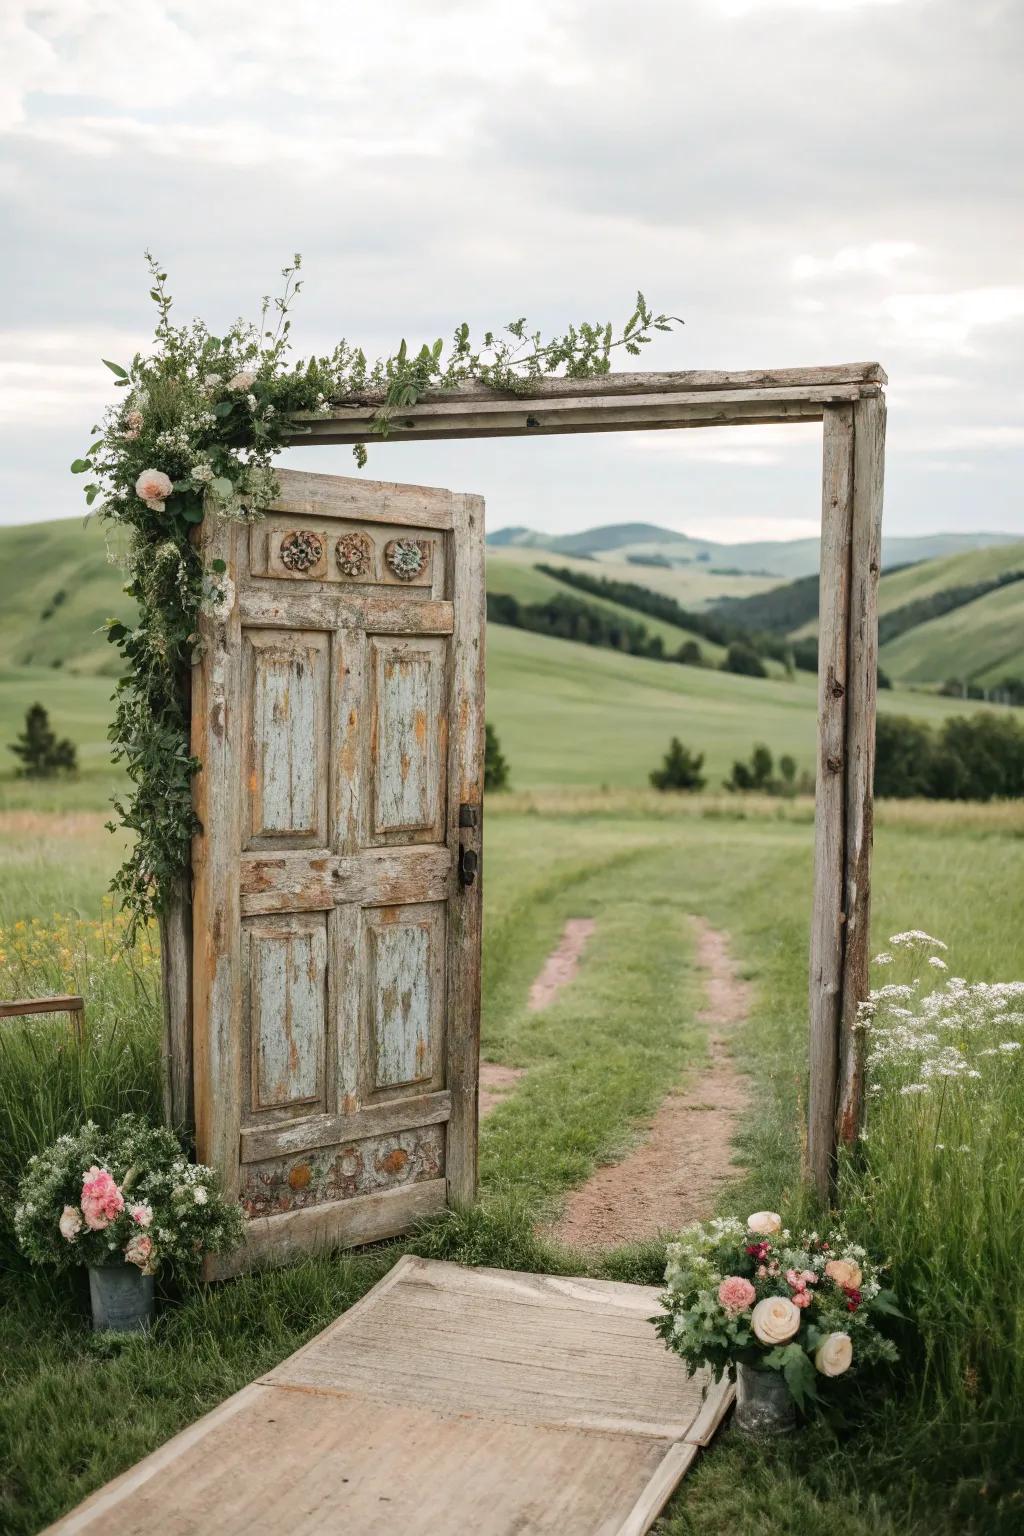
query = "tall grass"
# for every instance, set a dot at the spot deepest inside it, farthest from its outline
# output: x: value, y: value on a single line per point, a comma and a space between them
x: 50, y: 1081
x: 937, y: 1189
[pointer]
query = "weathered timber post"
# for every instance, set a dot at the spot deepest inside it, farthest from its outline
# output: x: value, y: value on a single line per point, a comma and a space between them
x: 176, y: 989
x: 853, y: 467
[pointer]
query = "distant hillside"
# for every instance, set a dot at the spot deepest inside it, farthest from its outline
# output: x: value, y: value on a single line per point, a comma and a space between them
x: 785, y: 559
x: 57, y: 589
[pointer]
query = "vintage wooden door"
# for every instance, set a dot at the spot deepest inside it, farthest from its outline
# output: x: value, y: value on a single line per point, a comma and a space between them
x: 338, y: 715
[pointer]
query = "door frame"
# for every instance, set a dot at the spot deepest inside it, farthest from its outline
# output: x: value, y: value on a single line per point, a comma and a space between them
x: 849, y: 400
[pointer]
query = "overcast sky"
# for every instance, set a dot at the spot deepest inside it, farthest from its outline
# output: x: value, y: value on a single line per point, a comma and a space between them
x: 804, y: 181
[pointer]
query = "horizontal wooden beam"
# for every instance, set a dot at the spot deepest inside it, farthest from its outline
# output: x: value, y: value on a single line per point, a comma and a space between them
x: 270, y: 608
x: 608, y: 403
x: 540, y: 415
x: 21, y: 1007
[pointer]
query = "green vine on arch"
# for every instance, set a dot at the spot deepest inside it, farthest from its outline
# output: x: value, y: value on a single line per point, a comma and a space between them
x: 195, y: 435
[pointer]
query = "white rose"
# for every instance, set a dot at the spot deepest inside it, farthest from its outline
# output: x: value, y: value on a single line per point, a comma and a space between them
x: 834, y: 1354
x: 199, y: 1195
x: 764, y: 1223
x: 153, y: 487
x: 775, y: 1320
x: 70, y: 1223
x: 242, y: 381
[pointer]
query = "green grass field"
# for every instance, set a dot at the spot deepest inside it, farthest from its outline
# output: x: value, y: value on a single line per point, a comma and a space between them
x: 695, y: 586
x: 912, y: 1459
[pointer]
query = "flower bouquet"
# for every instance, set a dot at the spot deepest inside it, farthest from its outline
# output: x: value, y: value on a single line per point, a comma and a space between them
x: 783, y: 1313
x: 122, y: 1202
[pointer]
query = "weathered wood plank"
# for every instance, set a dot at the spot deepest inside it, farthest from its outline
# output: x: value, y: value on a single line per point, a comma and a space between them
x: 286, y: 694
x: 518, y: 417
x: 176, y: 997
x: 405, y: 767
x: 465, y: 803
x: 371, y: 501
x: 868, y: 480
x: 25, y: 1006
x: 307, y: 882
x: 304, y: 1135
x: 286, y: 972
x: 827, y: 914
x: 218, y: 800
x: 309, y: 608
x: 388, y: 1421
x: 337, y: 1224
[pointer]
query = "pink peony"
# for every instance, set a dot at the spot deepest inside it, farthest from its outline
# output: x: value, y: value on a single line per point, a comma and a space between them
x: 736, y: 1294
x: 153, y: 487
x: 139, y: 1250
x: 142, y: 1215
x: 102, y: 1201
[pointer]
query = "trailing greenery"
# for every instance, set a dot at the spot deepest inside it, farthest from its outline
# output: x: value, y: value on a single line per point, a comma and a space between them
x: 201, y: 420
x: 976, y: 757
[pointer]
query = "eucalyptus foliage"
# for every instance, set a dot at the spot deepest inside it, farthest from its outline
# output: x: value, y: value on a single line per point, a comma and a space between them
x: 194, y: 436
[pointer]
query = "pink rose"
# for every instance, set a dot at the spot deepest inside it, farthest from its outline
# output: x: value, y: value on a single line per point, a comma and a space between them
x: 153, y: 487
x: 142, y: 1215
x: 139, y: 1250
x: 802, y: 1298
x: 102, y: 1201
x: 132, y: 425
x: 736, y: 1294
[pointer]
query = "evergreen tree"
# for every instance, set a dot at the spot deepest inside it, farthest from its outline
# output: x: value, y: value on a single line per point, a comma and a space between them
x: 681, y: 770
x: 495, y: 762
x: 42, y: 754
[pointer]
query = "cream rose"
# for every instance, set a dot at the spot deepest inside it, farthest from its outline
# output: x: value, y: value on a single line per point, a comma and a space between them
x: 764, y: 1223
x: 70, y: 1223
x: 153, y: 487
x: 242, y: 381
x: 834, y: 1354
x: 844, y: 1273
x: 775, y: 1320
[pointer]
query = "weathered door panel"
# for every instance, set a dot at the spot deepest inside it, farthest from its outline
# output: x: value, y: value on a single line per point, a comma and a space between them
x: 338, y: 713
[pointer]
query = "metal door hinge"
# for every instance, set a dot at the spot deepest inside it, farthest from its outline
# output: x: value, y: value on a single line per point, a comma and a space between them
x: 469, y: 863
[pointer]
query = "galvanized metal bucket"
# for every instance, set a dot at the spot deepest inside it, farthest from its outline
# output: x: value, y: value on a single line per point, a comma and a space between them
x: 122, y: 1298
x: 764, y: 1403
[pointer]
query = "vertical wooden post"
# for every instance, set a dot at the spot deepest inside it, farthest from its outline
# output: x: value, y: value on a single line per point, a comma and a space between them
x: 861, y: 697
x: 176, y: 985
x: 465, y: 586
x: 216, y: 901
x: 827, y: 917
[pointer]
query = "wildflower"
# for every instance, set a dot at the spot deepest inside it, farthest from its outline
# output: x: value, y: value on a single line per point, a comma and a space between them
x: 915, y: 938
x: 199, y: 1194
x: 885, y: 958
x: 939, y: 965
x: 910, y: 1088
x: 213, y: 380
x: 1010, y: 1045
x: 202, y: 473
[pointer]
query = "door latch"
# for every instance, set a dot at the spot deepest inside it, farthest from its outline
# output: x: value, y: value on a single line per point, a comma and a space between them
x: 469, y: 862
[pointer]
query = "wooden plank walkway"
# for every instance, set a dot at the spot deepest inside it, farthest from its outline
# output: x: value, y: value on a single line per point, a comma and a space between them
x: 447, y: 1400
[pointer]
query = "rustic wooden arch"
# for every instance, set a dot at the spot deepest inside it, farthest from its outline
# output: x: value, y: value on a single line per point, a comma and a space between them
x: 849, y: 400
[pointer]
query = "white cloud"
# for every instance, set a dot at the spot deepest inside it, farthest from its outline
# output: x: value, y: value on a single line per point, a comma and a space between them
x: 879, y: 258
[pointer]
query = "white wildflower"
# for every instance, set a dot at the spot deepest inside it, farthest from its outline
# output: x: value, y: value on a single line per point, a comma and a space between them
x: 939, y: 965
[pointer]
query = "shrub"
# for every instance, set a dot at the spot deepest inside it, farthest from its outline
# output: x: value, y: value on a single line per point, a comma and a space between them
x: 681, y: 768
x: 495, y: 761
x: 904, y: 749
x: 742, y: 658
x: 759, y: 775
x: 979, y: 757
x: 690, y: 654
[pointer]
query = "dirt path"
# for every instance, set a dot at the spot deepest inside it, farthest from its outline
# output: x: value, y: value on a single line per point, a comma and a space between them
x: 497, y: 1082
x: 671, y: 1178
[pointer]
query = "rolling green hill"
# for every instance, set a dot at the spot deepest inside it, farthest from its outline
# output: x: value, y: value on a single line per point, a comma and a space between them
x: 694, y: 586
x: 57, y: 589
x: 566, y: 713
x: 981, y: 642
x: 782, y: 559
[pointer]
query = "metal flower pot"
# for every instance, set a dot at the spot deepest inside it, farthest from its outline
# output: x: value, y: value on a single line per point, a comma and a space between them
x: 122, y: 1298
x: 764, y: 1403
